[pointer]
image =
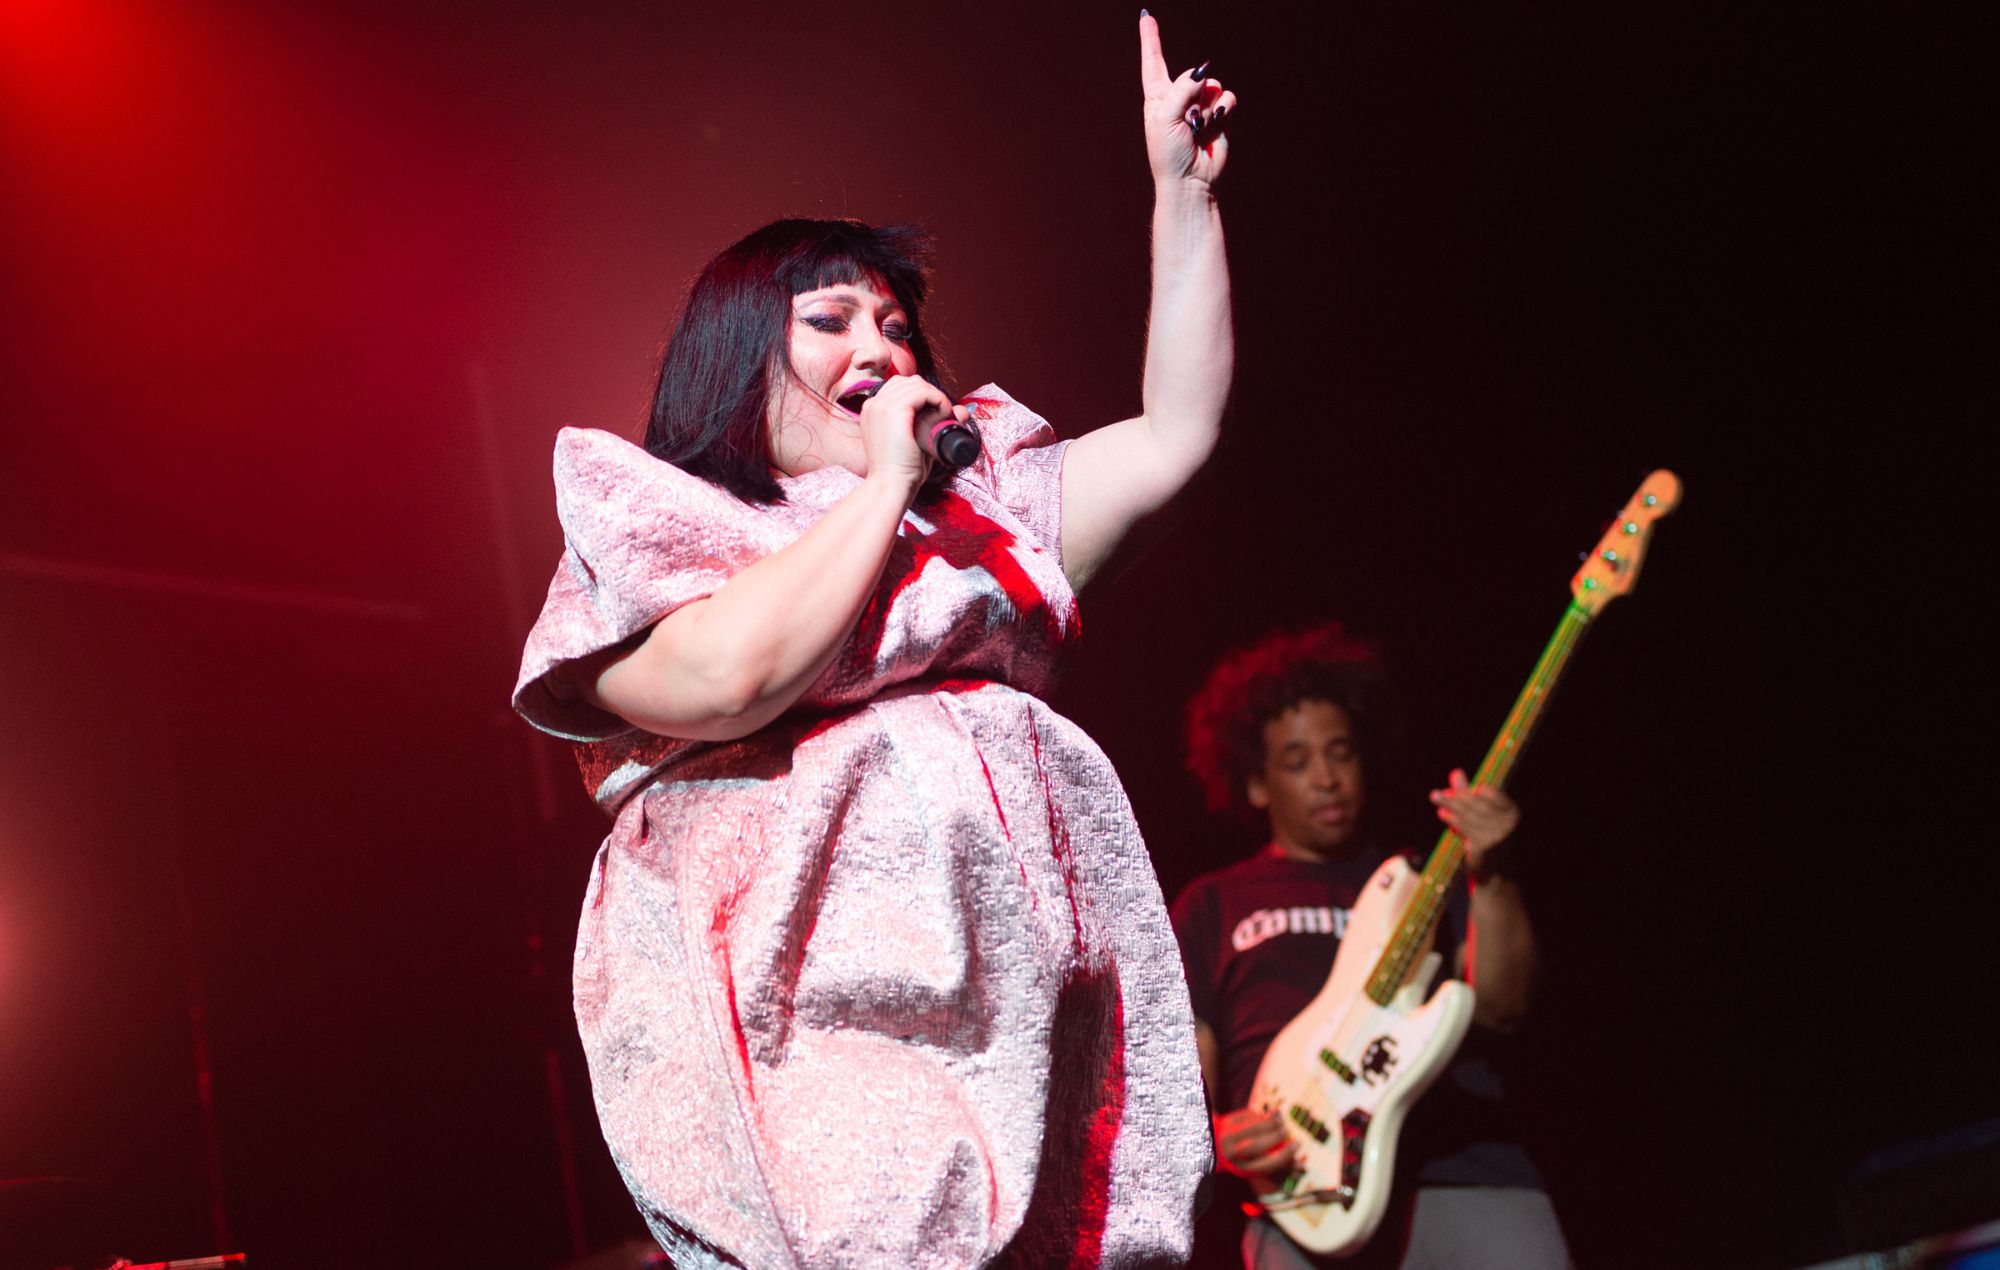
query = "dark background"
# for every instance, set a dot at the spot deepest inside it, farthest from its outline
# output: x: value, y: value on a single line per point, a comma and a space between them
x: 296, y: 296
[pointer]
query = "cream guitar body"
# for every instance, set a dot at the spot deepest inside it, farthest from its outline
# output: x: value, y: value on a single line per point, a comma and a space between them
x: 1345, y: 1072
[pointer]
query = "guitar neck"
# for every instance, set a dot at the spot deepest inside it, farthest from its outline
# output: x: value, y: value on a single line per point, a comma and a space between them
x: 1441, y: 872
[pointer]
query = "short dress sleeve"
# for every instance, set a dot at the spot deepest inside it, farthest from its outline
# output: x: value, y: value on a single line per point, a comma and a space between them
x: 641, y: 538
x: 1019, y: 465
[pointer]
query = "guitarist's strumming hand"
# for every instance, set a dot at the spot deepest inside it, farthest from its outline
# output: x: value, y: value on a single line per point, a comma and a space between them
x: 1254, y: 1144
x: 1484, y: 817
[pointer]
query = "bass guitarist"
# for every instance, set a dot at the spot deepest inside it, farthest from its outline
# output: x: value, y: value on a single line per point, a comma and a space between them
x: 1285, y: 731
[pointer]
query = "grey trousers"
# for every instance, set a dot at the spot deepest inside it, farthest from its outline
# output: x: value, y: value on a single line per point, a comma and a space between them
x: 1450, y: 1228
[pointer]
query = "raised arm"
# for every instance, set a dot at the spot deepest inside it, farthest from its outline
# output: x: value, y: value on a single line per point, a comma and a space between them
x: 1118, y: 474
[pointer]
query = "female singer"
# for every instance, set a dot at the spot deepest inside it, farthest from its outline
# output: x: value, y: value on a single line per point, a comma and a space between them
x: 873, y: 967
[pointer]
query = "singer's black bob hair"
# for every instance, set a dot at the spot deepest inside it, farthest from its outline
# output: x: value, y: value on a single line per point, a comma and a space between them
x: 712, y: 406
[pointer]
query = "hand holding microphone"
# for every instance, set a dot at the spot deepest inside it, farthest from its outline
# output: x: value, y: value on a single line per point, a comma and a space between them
x: 950, y: 438
x: 905, y: 409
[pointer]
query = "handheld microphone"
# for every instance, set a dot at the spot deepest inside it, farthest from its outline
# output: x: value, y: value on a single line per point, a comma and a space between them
x: 950, y: 442
x: 944, y: 438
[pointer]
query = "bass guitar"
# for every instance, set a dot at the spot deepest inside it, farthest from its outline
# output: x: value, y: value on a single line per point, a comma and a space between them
x: 1344, y: 1073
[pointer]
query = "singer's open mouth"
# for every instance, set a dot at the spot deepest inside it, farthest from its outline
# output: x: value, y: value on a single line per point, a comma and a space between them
x: 853, y: 400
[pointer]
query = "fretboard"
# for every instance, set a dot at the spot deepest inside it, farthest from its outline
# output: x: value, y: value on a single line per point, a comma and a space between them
x: 1441, y: 871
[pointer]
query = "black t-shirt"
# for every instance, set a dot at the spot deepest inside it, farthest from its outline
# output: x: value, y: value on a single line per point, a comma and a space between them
x: 1258, y: 940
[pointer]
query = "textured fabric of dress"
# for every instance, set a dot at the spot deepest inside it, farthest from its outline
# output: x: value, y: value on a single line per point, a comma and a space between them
x: 888, y: 982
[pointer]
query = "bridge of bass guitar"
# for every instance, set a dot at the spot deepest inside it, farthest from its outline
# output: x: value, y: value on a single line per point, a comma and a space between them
x: 1301, y: 1189
x: 1343, y: 1088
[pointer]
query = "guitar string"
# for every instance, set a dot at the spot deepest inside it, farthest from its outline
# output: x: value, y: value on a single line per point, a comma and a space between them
x: 1446, y: 858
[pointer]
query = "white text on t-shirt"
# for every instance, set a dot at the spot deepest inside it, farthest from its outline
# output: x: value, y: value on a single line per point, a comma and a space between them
x: 1267, y: 922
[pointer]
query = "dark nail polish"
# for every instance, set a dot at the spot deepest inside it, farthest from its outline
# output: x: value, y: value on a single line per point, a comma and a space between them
x: 1201, y: 72
x: 1216, y: 119
x: 1144, y: 14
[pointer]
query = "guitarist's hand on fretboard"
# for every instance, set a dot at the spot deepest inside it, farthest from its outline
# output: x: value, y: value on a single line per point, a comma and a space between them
x: 1484, y: 816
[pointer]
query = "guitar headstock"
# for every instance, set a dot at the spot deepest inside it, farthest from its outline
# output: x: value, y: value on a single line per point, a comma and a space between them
x: 1613, y: 568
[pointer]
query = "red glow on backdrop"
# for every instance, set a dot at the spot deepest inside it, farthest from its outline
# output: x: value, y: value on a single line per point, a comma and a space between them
x: 191, y: 173
x: 245, y: 244
x: 70, y: 56
x: 126, y: 128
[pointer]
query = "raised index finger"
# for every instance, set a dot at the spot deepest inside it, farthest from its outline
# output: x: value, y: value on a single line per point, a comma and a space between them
x: 1152, y: 63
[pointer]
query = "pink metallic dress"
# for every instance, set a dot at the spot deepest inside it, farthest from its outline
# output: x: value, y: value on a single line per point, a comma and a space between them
x: 888, y: 982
